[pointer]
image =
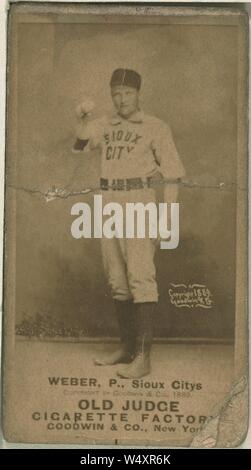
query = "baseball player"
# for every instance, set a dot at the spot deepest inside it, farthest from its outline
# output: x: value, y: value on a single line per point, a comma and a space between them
x: 136, y: 149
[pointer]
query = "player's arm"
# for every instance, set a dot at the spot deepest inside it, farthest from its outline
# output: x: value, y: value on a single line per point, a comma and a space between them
x: 85, y: 131
x: 169, y: 165
x: 169, y: 162
x: 79, y: 145
x: 170, y: 191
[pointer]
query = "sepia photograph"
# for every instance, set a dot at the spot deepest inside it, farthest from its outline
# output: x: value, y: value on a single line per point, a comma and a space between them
x: 125, y: 253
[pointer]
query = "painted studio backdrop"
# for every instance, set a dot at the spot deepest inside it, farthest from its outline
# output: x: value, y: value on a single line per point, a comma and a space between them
x: 189, y: 79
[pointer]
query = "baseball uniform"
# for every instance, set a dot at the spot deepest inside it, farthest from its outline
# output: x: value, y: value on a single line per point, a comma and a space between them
x: 132, y: 150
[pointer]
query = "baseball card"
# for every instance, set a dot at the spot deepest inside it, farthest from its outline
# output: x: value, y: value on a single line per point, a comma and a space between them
x: 125, y: 255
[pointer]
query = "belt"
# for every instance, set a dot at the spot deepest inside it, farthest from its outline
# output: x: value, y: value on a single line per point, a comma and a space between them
x: 125, y: 184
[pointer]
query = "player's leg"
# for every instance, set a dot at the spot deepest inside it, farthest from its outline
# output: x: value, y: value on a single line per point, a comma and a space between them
x: 141, y: 365
x: 115, y: 269
x: 142, y: 283
x: 113, y: 255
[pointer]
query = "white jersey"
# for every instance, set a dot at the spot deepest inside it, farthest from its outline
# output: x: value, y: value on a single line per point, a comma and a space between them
x: 137, y: 147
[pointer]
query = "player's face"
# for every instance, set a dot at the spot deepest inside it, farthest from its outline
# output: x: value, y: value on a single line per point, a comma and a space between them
x: 125, y: 100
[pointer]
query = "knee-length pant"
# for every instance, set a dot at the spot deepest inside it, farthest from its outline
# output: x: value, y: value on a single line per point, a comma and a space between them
x: 129, y: 262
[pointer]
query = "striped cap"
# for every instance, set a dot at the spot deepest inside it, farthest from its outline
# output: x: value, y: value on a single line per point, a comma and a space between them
x: 126, y: 77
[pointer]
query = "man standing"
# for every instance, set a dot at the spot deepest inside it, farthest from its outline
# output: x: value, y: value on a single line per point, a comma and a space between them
x: 136, y: 150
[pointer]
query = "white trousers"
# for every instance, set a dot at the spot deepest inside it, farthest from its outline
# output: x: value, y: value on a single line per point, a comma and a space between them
x: 129, y: 262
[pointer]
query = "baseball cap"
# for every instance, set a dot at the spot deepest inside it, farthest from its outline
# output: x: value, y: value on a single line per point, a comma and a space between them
x: 126, y: 77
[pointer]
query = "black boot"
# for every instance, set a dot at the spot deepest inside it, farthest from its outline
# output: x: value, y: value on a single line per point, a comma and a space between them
x: 124, y: 354
x: 140, y: 366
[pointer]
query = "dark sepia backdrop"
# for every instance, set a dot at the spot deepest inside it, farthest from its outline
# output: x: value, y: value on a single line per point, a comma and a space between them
x: 190, y: 81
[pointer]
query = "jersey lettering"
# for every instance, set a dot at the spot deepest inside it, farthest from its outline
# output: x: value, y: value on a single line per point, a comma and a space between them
x: 119, y: 136
x: 124, y: 136
x: 113, y: 153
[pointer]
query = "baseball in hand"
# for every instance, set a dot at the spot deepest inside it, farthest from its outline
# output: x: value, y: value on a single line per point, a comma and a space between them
x: 85, y: 108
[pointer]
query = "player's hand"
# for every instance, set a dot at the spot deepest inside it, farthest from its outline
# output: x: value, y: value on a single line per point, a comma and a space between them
x: 161, y: 222
x: 84, y: 109
x: 156, y: 241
